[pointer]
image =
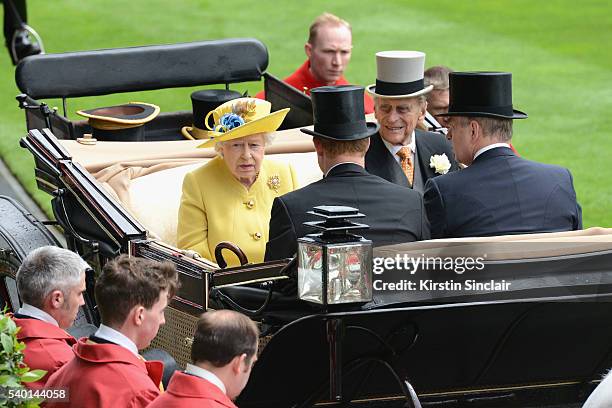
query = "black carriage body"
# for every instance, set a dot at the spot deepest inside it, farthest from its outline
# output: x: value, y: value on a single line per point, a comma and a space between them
x: 546, y: 342
x: 538, y: 347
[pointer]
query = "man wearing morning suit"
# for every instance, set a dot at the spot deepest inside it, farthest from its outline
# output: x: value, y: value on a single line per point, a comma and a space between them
x: 341, y: 137
x: 498, y: 193
x: 399, y: 152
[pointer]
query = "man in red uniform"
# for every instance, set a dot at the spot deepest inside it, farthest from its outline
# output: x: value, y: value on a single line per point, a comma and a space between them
x: 328, y: 50
x: 223, y: 352
x: 107, y: 370
x: 51, y: 282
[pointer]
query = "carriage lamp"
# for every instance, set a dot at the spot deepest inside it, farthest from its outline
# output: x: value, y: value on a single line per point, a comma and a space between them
x: 335, y: 265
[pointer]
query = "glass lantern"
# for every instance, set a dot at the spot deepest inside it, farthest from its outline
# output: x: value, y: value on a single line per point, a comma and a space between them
x: 335, y: 266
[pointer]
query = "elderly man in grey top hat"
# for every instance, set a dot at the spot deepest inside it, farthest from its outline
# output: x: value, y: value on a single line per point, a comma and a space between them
x: 498, y: 193
x: 399, y: 152
x: 341, y: 137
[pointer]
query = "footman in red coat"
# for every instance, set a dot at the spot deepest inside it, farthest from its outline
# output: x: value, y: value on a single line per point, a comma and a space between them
x: 223, y: 352
x: 329, y: 48
x: 107, y: 371
x: 51, y: 282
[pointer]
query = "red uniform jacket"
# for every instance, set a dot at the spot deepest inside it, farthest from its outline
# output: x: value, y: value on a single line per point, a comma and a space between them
x: 186, y: 391
x: 107, y: 375
x: 47, y: 347
x: 302, y: 78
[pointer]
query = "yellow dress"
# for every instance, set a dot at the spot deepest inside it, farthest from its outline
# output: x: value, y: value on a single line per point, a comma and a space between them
x: 216, y: 207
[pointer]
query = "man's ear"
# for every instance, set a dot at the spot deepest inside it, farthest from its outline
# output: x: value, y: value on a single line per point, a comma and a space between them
x: 423, y: 110
x: 474, y: 131
x: 317, y: 146
x: 308, y: 49
x: 238, y: 363
x: 56, y: 299
x: 136, y: 315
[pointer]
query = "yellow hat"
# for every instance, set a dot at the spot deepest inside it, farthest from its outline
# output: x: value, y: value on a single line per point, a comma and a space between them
x: 242, y: 117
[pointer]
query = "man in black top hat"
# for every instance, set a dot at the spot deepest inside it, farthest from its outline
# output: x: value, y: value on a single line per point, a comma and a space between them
x: 399, y: 152
x: 498, y: 193
x: 341, y: 137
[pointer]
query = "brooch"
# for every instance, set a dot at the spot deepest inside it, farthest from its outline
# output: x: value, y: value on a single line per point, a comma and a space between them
x: 274, y: 182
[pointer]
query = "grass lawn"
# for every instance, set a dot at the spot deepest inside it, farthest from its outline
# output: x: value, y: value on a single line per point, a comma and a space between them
x: 555, y: 49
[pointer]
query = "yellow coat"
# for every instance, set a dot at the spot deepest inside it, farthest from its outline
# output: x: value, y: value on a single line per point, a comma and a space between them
x: 216, y: 207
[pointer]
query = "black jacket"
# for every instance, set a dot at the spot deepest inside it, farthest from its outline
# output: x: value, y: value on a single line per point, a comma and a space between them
x: 395, y: 214
x: 501, y: 193
x: 380, y: 162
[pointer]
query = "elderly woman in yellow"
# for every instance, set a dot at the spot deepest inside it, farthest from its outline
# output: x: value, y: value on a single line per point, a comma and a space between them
x: 230, y: 197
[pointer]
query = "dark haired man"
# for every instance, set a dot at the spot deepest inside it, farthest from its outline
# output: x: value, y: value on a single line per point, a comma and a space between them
x: 51, y: 282
x: 223, y: 352
x: 107, y: 370
x: 341, y: 137
x: 498, y: 193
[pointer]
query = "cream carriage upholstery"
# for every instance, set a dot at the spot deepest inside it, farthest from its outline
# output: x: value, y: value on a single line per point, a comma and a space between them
x: 146, y: 178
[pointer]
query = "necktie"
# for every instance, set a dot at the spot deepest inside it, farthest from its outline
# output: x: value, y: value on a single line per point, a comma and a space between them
x: 406, y: 163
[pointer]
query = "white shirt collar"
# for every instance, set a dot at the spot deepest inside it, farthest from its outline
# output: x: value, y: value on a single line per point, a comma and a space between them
x: 396, y: 148
x: 114, y: 336
x: 336, y: 165
x: 489, y: 147
x: 32, y: 311
x: 205, y: 374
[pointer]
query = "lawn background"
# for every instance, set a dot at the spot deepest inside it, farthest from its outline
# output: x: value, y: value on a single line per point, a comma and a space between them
x: 557, y: 51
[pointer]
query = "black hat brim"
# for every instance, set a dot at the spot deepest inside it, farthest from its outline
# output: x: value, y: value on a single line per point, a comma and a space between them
x: 371, y: 129
x: 516, y: 114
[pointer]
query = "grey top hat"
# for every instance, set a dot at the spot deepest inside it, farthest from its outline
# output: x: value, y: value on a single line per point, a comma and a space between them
x: 399, y: 74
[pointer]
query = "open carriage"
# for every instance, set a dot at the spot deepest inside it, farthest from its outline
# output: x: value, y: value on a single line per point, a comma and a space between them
x: 542, y: 341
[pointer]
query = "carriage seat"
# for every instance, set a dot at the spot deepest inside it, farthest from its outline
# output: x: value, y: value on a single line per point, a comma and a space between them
x: 146, y: 178
x: 164, y: 188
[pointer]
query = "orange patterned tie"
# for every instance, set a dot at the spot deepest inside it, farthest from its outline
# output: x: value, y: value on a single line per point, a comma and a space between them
x: 404, y: 154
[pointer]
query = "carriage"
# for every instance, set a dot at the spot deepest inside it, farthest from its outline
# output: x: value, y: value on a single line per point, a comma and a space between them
x: 544, y: 340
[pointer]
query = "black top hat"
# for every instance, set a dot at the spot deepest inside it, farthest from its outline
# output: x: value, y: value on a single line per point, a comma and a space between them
x: 207, y: 100
x: 203, y: 102
x: 338, y: 113
x: 487, y: 94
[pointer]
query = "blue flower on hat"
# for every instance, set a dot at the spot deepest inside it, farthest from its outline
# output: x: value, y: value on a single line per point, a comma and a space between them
x: 228, y: 122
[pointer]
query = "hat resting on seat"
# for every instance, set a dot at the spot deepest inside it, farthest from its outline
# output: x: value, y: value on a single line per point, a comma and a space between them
x: 203, y: 102
x: 121, y: 122
x: 339, y: 114
x: 482, y: 94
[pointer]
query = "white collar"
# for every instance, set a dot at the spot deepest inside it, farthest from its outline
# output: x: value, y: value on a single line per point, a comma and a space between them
x: 32, y: 311
x: 114, y: 336
x: 205, y: 374
x: 396, y: 148
x: 489, y: 147
x: 338, y: 164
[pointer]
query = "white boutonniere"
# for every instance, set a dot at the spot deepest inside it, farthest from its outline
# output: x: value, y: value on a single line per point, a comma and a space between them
x: 440, y: 163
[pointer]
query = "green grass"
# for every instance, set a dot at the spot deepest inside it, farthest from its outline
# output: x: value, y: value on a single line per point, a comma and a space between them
x: 556, y: 50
